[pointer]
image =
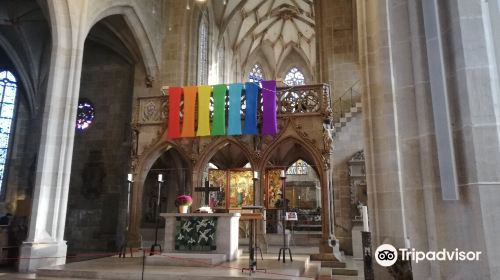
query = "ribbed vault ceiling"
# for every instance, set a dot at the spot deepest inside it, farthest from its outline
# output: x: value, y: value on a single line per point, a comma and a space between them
x: 280, y: 25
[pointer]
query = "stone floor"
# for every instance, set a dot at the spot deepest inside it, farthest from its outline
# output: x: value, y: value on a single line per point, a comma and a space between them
x: 131, y: 268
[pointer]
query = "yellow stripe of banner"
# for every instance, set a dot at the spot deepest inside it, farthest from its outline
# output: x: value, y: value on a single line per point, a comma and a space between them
x: 204, y: 93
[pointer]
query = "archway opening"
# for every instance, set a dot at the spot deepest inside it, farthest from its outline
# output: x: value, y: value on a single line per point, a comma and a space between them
x: 230, y: 170
x: 175, y: 174
x: 302, y: 188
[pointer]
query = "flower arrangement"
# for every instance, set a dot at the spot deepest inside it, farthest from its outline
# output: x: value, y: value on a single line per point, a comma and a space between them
x: 183, y: 199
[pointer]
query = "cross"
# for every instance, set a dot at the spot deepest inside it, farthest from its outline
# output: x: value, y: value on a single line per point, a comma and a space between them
x: 207, y: 190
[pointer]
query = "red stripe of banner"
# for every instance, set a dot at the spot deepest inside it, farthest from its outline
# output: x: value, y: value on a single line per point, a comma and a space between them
x: 174, y: 108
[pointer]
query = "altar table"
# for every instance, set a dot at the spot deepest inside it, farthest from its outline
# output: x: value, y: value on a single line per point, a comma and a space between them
x: 224, y: 242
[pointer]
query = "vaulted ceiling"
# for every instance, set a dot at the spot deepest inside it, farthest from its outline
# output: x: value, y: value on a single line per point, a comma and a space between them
x: 276, y: 26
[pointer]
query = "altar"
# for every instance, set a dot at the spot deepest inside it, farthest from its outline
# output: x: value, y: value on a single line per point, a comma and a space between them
x: 199, y: 239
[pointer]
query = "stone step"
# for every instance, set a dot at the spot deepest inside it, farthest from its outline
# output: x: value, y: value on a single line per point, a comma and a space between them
x: 344, y: 271
x: 186, y: 259
x: 333, y: 264
x: 347, y: 117
x: 323, y: 257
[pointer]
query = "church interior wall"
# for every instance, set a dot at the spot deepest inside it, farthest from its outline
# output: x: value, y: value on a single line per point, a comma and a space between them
x: 339, y: 44
x: 101, y: 152
x: 347, y: 142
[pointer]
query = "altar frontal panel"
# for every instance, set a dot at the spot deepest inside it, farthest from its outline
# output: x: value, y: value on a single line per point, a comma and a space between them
x: 195, y: 234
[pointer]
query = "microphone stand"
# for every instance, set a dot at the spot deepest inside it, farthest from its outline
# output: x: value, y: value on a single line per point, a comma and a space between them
x: 123, y: 247
x: 283, y: 221
x: 156, y: 244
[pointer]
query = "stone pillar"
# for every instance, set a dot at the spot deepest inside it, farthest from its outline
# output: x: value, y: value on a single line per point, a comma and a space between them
x: 45, y: 244
x: 329, y: 243
x: 404, y: 186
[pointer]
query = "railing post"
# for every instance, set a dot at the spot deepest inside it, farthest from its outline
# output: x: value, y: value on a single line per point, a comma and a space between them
x: 341, y: 108
x: 351, y: 97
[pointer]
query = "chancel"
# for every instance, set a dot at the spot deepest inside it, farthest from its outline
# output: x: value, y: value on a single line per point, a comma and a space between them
x: 375, y: 122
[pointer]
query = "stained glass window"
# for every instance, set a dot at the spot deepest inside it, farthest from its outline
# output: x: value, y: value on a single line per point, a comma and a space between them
x: 8, y: 90
x: 299, y: 167
x: 203, y: 51
x: 294, y: 77
x: 256, y: 74
x: 85, y: 114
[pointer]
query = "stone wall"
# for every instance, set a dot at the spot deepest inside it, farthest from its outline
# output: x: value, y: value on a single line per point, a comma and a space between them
x: 101, y: 153
x: 347, y: 142
x: 404, y: 184
x: 337, y: 36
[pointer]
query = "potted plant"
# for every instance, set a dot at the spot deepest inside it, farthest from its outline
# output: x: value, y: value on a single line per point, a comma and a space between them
x: 182, y: 202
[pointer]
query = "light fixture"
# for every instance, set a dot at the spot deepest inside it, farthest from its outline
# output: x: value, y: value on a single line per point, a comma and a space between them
x: 224, y: 2
x: 201, y: 1
x: 187, y: 6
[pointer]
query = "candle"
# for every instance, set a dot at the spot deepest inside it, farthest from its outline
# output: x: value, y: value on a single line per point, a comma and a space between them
x: 256, y: 175
x: 364, y: 214
x: 160, y: 177
x: 282, y: 174
x: 129, y: 177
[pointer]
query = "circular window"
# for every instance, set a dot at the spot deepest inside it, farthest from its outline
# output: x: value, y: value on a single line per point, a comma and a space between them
x: 85, y: 114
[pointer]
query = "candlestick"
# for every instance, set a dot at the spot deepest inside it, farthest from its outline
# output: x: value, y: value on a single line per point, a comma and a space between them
x: 129, y: 177
x: 160, y: 177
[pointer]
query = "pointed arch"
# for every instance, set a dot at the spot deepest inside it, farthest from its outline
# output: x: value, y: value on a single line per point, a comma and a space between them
x: 147, y: 159
x: 141, y: 36
x: 295, y: 57
x: 312, y: 156
x: 214, y: 147
x: 21, y: 70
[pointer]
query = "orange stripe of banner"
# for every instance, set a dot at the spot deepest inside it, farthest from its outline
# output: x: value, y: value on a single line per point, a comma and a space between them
x: 189, y: 109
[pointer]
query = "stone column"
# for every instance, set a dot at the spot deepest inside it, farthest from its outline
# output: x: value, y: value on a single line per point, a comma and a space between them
x: 45, y: 244
x: 329, y: 243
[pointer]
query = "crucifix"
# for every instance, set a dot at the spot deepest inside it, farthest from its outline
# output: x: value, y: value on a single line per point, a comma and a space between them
x: 207, y: 189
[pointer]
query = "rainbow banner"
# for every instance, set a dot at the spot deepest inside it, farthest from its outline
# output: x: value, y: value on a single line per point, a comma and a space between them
x: 219, y: 110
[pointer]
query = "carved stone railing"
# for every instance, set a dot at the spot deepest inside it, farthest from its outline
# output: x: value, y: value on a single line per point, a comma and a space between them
x: 306, y: 100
